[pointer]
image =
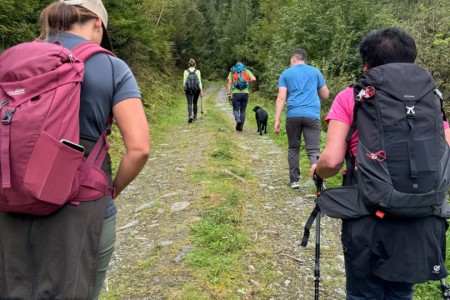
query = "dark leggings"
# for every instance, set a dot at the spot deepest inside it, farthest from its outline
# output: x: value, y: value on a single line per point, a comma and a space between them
x: 192, y: 100
x: 240, y: 101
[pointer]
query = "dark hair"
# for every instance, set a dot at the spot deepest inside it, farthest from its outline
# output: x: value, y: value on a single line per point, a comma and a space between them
x: 299, y: 54
x: 387, y: 45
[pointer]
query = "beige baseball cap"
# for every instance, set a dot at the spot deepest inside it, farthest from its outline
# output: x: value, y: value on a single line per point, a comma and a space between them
x: 95, y: 6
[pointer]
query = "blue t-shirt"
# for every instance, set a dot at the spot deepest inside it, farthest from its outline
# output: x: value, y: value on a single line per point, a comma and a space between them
x: 107, y: 81
x: 302, y: 82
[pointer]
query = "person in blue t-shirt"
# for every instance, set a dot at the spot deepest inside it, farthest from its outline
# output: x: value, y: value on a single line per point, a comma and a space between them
x: 301, y: 85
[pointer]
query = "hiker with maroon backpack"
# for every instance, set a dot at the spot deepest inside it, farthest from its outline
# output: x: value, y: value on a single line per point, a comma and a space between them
x: 389, y: 128
x: 193, y: 88
x: 58, y: 99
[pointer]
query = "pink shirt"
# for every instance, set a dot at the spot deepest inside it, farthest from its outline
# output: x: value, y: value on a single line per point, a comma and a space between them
x: 342, y: 110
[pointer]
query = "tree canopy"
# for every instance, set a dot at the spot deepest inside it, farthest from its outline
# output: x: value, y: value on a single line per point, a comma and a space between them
x: 157, y: 37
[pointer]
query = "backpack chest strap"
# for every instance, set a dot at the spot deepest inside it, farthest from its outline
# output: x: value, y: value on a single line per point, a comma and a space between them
x: 5, y: 147
x: 4, y: 151
x: 410, y: 117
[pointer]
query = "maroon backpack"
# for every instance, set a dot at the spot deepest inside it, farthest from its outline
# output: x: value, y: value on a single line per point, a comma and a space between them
x: 42, y: 164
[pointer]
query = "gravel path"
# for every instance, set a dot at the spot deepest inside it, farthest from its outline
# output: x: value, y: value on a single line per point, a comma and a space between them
x: 156, y: 210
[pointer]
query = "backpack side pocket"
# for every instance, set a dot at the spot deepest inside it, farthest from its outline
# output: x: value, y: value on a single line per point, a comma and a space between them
x: 51, y: 170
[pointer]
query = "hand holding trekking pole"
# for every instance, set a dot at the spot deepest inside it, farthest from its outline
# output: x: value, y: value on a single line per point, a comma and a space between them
x: 318, y: 181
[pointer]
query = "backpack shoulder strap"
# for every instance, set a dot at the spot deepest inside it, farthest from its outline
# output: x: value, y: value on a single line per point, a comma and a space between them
x: 85, y: 50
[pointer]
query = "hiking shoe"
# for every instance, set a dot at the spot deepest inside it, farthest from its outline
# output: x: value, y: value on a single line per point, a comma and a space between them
x: 190, y: 120
x: 238, y: 126
x: 195, y: 118
x: 295, y: 185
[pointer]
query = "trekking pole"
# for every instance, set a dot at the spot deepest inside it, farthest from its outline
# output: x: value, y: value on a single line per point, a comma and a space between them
x: 319, y: 185
x: 315, y: 216
x: 445, y: 288
x: 201, y: 105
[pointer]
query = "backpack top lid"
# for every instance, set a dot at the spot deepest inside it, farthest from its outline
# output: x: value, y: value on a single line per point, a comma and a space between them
x: 403, y: 81
x: 238, y: 67
x: 35, y: 58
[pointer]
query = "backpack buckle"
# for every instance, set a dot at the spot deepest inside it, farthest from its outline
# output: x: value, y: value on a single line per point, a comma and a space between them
x: 366, y: 93
x: 6, y: 120
x: 5, y: 102
x: 410, y: 113
x: 378, y: 156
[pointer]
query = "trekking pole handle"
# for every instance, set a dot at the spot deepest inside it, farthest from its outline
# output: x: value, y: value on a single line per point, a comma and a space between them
x: 318, y: 181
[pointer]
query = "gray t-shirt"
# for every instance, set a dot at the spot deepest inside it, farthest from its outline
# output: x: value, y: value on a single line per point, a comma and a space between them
x: 107, y: 81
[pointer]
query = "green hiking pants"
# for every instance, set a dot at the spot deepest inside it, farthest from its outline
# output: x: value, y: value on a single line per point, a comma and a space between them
x: 107, y: 242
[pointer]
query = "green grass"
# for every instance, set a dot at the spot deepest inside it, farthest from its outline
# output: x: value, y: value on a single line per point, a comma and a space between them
x: 219, y: 237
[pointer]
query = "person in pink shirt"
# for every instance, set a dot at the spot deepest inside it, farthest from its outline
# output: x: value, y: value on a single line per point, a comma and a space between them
x: 384, y: 258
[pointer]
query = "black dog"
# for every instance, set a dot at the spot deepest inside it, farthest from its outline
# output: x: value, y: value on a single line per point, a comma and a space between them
x: 261, y: 119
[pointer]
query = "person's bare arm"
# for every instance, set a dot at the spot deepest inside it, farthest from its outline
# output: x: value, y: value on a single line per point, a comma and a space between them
x: 132, y: 123
x: 332, y: 157
x: 229, y: 87
x: 281, y: 100
x: 323, y: 92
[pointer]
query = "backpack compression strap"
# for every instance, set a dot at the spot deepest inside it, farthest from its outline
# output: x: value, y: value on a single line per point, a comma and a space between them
x: 95, y: 159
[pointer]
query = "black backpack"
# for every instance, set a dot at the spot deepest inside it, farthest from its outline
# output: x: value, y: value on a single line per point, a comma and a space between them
x: 192, y: 83
x: 403, y: 160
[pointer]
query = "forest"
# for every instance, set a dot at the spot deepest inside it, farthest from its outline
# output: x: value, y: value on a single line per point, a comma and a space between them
x: 157, y: 37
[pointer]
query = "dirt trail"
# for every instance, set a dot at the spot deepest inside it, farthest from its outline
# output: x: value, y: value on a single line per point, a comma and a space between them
x: 156, y: 210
